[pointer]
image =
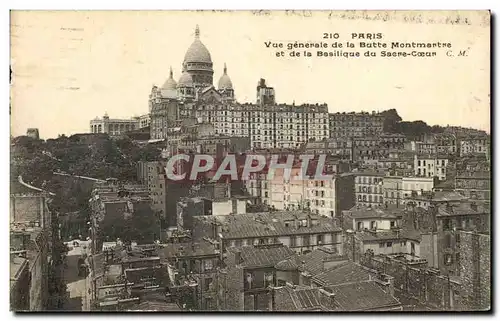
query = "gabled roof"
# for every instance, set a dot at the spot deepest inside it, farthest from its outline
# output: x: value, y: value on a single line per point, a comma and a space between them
x: 314, y: 261
x: 362, y: 296
x: 298, y: 299
x: 155, y: 305
x: 343, y: 273
x: 391, y: 211
x: 189, y: 249
x: 464, y: 209
x: 269, y: 224
x: 264, y: 256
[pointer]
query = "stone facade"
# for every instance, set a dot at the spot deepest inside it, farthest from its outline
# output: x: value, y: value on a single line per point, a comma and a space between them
x: 475, y: 270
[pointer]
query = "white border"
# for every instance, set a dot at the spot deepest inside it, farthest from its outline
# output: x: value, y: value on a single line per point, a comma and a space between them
x: 189, y: 4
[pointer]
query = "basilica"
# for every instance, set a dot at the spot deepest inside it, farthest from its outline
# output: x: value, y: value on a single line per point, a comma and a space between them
x: 194, y: 96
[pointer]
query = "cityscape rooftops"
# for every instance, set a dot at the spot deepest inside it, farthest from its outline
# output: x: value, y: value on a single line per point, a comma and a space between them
x: 440, y: 196
x: 346, y: 272
x: 362, y: 296
x: 298, y: 298
x: 268, y: 224
x: 188, y: 249
x: 17, y: 264
x: 464, y: 209
x: 260, y: 256
x: 387, y: 235
x: 389, y: 211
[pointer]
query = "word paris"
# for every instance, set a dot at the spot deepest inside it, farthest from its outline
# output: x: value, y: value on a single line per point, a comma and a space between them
x: 189, y: 167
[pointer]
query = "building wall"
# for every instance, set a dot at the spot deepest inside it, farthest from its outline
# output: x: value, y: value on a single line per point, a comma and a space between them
x: 430, y: 167
x: 29, y: 208
x: 417, y: 184
x: 433, y: 290
x: 355, y: 124
x: 113, y: 126
x: 272, y: 126
x: 231, y: 298
x: 222, y: 207
x: 369, y: 190
x: 429, y: 249
x: 344, y: 193
x: 298, y: 243
x: 20, y: 290
x: 475, y: 269
x: 393, y: 190
x: 380, y: 223
x: 390, y: 246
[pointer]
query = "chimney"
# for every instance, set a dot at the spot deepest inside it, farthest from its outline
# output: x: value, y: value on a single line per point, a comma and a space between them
x: 386, y: 282
x: 326, y: 298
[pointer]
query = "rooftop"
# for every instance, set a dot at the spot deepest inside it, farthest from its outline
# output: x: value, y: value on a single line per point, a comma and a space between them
x: 347, y: 272
x: 264, y: 255
x: 296, y: 298
x: 191, y: 249
x: 391, y: 211
x: 387, y: 235
x: 441, y: 196
x: 464, y: 209
x: 362, y: 296
x: 269, y: 224
x: 156, y: 306
x: 314, y: 260
x: 16, y: 265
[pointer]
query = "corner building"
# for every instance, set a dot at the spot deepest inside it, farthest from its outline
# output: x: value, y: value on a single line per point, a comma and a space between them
x: 266, y: 123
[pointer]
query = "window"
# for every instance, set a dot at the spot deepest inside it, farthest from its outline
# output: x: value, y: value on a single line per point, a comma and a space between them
x: 446, y: 224
x: 319, y: 239
x: 381, y: 245
x: 306, y: 240
x: 293, y: 241
x: 208, y: 265
x: 393, y: 224
x: 448, y: 260
x: 360, y: 226
x: 389, y: 244
x: 373, y: 225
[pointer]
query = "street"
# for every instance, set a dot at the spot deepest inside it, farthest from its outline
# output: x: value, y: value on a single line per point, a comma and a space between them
x: 76, y: 285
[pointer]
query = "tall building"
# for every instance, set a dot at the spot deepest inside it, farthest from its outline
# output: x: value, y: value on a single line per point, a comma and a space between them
x: 356, y: 124
x: 266, y: 123
x: 369, y: 188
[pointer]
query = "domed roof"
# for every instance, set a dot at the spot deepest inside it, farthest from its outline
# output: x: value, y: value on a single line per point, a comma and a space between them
x: 170, y: 83
x: 225, y: 81
x: 186, y: 80
x: 197, y: 52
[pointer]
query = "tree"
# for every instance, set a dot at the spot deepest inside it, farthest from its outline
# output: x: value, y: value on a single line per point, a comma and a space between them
x: 391, y: 120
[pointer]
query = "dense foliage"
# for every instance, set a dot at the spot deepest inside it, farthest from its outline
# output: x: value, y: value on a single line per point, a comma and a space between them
x: 411, y: 129
x: 97, y: 157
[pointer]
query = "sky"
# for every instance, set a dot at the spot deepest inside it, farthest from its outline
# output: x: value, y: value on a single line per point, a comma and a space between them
x: 72, y: 66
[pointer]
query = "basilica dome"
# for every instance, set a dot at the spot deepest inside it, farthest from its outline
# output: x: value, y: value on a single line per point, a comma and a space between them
x: 170, y: 83
x: 186, y: 80
x: 197, y: 52
x: 225, y: 81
